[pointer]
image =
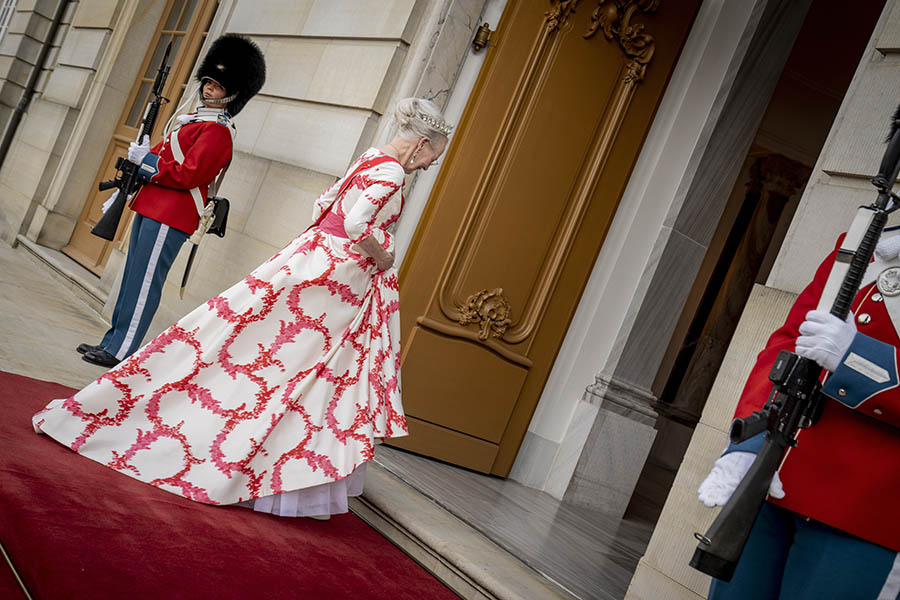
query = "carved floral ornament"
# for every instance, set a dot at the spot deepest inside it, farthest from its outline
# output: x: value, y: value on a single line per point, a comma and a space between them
x: 614, y: 18
x: 487, y: 309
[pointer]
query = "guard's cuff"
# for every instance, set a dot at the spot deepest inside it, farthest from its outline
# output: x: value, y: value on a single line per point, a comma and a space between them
x: 749, y: 445
x: 148, y: 167
x: 868, y: 368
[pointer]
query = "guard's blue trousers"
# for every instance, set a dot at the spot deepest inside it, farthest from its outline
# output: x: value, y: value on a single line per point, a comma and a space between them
x: 790, y: 558
x: 151, y: 251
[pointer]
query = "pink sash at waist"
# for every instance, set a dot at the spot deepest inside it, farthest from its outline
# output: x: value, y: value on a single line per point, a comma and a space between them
x: 333, y: 224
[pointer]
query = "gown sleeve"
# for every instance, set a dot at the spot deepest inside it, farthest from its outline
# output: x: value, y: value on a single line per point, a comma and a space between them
x: 380, y: 185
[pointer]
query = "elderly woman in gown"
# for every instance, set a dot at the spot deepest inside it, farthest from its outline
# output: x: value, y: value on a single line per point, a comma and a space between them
x: 272, y: 394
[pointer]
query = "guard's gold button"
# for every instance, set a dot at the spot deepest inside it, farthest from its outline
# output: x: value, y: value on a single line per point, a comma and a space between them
x: 842, y: 392
x: 877, y: 411
x: 864, y: 318
x: 876, y: 297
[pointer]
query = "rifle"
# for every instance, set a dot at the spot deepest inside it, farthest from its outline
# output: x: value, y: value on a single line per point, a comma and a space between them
x: 127, y: 179
x: 796, y: 401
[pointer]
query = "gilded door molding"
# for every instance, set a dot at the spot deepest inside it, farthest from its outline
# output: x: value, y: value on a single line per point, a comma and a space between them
x: 616, y: 20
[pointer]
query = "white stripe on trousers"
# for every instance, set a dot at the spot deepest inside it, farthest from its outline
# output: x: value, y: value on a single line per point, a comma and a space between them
x: 891, y: 589
x: 145, y: 290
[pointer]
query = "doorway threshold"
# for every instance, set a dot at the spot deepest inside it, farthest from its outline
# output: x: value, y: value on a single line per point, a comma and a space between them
x: 461, y: 557
x: 558, y: 550
x: 80, y: 281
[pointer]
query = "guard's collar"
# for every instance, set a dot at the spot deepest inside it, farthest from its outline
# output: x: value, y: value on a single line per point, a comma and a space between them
x: 210, y: 115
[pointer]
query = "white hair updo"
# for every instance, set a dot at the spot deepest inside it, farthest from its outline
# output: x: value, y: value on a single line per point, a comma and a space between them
x: 418, y: 117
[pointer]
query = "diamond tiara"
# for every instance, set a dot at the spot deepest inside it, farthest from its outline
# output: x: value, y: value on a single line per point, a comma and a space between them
x: 436, y: 124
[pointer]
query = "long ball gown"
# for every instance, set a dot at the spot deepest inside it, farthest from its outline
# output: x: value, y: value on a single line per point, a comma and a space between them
x: 275, y: 388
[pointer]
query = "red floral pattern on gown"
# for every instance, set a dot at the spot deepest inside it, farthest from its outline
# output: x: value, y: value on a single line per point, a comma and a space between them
x: 279, y: 383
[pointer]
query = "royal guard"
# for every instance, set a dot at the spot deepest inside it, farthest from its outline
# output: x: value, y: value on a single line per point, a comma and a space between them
x: 178, y: 173
x: 830, y: 527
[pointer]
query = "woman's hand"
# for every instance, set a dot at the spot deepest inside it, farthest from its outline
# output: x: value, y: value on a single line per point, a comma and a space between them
x: 384, y: 262
x: 383, y: 259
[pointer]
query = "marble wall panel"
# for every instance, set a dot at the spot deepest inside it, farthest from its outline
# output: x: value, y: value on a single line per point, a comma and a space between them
x: 15, y: 208
x: 673, y: 543
x: 95, y: 13
x: 15, y: 70
x: 316, y: 137
x: 21, y: 46
x: 68, y: 85
x: 352, y: 74
x: 250, y: 122
x: 825, y: 211
x: 351, y: 18
x: 765, y: 311
x: 856, y: 143
x: 272, y: 17
x: 283, y: 209
x: 42, y: 124
x: 340, y: 72
x: 291, y: 64
x: 83, y: 47
x: 33, y: 25
x: 44, y: 7
x: 889, y: 38
x: 242, y: 185
x: 10, y: 93
x: 23, y: 167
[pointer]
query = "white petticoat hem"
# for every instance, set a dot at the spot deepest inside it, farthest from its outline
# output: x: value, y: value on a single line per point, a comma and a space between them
x: 324, y: 499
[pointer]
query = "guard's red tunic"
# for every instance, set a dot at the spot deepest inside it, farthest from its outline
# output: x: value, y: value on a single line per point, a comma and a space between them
x: 165, y: 197
x: 845, y: 471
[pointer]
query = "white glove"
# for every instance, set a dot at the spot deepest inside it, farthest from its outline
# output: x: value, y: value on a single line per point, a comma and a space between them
x: 888, y: 248
x: 825, y: 339
x: 110, y: 200
x: 137, y: 152
x: 726, y: 474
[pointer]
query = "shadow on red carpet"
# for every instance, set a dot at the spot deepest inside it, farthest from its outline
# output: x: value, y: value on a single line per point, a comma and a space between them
x: 75, y: 529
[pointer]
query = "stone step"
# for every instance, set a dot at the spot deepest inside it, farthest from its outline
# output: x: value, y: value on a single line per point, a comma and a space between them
x: 66, y: 271
x: 461, y: 557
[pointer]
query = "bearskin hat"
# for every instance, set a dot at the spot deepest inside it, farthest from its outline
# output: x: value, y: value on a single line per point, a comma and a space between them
x: 238, y: 65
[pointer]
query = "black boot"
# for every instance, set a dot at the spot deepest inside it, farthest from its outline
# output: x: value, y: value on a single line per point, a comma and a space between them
x: 101, y: 357
x: 82, y: 348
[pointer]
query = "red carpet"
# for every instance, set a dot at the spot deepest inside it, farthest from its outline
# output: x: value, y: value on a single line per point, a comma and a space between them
x: 75, y: 529
x: 9, y: 587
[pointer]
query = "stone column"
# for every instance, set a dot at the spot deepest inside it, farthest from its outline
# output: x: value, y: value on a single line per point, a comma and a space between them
x: 616, y: 448
x: 624, y: 428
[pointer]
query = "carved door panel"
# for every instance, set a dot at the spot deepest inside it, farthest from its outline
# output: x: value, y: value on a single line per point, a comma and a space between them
x: 184, y: 23
x: 519, y: 212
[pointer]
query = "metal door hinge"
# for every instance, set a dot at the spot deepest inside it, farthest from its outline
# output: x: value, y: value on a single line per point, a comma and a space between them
x: 482, y: 37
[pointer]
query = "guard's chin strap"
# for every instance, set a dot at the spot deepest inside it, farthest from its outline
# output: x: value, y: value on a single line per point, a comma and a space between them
x: 218, y: 100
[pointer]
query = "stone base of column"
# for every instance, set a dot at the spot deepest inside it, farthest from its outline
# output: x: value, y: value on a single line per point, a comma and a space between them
x: 616, y: 449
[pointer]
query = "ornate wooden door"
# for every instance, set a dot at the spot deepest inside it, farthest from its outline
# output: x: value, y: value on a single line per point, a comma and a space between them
x: 516, y: 219
x: 184, y: 23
